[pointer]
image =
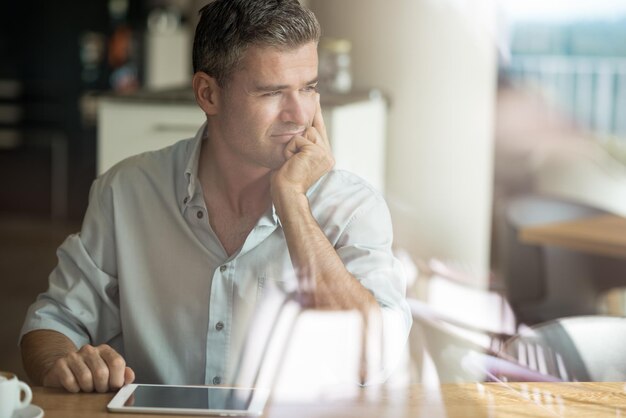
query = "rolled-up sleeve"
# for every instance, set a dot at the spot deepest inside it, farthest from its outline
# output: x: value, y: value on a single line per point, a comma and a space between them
x: 355, y: 219
x: 365, y: 247
x: 82, y: 299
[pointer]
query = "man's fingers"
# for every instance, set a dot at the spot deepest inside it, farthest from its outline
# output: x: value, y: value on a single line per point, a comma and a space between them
x: 318, y: 122
x: 295, y: 145
x: 116, y: 366
x: 60, y: 376
x: 81, y: 372
x: 97, y: 366
x: 291, y: 148
x: 129, y: 375
x: 88, y: 369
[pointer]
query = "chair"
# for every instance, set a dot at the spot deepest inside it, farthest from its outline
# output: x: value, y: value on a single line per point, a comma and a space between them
x: 546, y: 282
x: 454, y: 293
x: 584, y: 348
x: 460, y: 353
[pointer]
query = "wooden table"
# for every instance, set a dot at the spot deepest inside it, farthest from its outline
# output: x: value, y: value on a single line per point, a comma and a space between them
x: 470, y: 400
x: 603, y: 235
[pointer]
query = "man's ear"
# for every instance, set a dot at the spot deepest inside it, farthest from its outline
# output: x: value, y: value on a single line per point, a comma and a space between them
x: 206, y: 91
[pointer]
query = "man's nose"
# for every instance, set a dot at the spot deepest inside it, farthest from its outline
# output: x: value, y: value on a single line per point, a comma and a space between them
x: 295, y: 110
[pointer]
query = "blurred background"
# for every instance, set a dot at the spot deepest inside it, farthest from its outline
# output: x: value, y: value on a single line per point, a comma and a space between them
x: 483, y: 117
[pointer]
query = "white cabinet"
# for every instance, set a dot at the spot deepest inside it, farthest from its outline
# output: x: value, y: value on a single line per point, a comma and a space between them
x: 131, y: 125
x: 356, y: 130
x: 127, y: 127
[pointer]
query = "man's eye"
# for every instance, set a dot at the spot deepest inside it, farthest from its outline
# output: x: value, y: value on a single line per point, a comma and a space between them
x: 271, y: 93
x: 311, y: 89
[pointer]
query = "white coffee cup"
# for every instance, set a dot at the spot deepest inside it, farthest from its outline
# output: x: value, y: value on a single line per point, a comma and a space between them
x: 11, y: 390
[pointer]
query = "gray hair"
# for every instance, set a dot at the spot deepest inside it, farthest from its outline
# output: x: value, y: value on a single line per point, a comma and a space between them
x: 228, y: 27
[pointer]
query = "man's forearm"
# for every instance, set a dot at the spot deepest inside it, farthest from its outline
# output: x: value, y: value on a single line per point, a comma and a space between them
x: 315, y: 259
x: 41, y: 349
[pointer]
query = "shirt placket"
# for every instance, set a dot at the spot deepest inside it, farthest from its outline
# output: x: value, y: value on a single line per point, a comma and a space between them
x: 220, y: 309
x: 220, y: 323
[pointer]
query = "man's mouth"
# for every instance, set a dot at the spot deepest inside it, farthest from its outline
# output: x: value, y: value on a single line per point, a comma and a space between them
x: 287, y: 135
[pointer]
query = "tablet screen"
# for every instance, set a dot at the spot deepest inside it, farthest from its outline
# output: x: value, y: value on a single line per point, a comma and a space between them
x: 190, y: 398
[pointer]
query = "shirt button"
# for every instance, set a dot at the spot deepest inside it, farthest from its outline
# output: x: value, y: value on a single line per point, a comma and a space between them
x: 223, y: 268
x: 219, y: 326
x: 199, y: 214
x: 217, y: 380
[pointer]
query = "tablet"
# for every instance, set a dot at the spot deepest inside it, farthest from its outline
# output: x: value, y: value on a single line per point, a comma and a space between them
x: 189, y: 400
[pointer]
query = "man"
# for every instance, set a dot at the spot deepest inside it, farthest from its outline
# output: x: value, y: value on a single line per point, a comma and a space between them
x: 178, y: 244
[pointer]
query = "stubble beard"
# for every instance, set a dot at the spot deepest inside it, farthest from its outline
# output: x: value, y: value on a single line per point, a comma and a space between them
x: 277, y: 159
x: 271, y: 158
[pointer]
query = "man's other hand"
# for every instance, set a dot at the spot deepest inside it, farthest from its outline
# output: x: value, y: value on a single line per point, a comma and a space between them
x: 89, y: 369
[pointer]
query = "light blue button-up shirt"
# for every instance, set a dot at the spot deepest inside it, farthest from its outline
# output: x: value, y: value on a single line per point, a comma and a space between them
x: 148, y: 276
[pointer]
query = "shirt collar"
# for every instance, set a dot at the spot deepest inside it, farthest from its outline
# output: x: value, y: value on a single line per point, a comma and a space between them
x: 270, y: 218
x: 193, y: 162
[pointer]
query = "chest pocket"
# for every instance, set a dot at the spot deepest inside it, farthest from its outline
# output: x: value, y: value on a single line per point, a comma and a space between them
x: 266, y: 285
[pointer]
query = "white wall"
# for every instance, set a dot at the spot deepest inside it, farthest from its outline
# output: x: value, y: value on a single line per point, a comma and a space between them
x: 436, y: 61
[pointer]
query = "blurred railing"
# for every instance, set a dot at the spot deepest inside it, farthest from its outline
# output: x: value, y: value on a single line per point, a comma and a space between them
x: 590, y: 89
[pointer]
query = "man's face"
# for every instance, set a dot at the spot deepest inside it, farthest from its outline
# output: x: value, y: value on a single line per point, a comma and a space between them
x: 271, y: 98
